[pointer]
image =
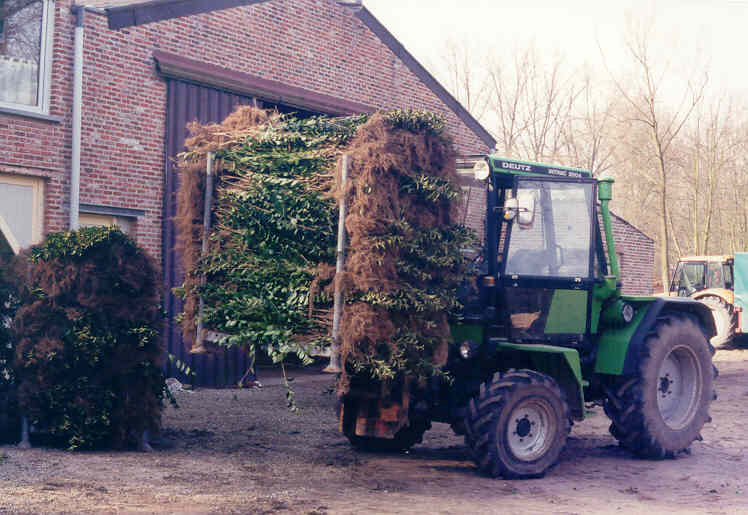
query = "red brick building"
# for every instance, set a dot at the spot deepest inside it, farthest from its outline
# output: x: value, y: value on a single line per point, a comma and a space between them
x: 143, y: 70
x: 315, y: 55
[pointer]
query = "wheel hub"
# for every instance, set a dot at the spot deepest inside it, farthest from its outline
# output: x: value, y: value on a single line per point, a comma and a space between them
x: 530, y: 429
x: 679, y: 387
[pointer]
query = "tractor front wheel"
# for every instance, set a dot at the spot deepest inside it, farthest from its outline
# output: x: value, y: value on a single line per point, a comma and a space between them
x: 659, y: 411
x: 517, y: 425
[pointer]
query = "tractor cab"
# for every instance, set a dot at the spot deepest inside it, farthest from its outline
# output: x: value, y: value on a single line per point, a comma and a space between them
x: 544, y: 251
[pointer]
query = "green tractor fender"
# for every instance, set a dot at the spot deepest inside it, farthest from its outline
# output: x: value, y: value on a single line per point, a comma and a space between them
x: 619, y: 348
x: 560, y: 363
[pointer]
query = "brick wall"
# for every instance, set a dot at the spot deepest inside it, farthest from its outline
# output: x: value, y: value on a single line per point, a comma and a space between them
x: 635, y: 257
x: 313, y: 44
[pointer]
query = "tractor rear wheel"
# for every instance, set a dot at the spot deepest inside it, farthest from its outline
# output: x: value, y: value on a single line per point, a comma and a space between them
x: 517, y: 425
x: 659, y: 411
x: 724, y: 319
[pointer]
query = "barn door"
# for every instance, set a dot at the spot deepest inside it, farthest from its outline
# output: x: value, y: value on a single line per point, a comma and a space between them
x: 186, y: 103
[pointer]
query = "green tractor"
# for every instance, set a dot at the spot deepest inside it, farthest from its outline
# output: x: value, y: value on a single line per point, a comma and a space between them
x: 545, y: 332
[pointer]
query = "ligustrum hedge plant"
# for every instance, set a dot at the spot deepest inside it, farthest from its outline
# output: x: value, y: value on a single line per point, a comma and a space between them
x: 267, y: 278
x: 88, y: 346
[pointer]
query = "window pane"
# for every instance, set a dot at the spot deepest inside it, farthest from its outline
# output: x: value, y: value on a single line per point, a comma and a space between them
x: 557, y: 243
x: 20, y: 50
x: 714, y: 271
x: 727, y: 271
x: 16, y: 207
x: 124, y: 224
x: 692, y: 278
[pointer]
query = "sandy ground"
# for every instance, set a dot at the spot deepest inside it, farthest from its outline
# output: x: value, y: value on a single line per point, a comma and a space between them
x: 241, y: 451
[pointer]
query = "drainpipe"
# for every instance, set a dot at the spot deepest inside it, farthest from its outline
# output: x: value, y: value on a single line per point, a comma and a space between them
x: 75, y: 173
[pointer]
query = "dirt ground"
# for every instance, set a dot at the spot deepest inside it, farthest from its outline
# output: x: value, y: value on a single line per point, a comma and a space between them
x: 242, y: 451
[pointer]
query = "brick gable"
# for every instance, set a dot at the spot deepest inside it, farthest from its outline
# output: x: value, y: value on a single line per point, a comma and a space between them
x: 316, y: 45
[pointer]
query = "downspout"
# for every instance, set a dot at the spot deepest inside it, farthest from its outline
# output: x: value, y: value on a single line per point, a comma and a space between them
x: 75, y: 168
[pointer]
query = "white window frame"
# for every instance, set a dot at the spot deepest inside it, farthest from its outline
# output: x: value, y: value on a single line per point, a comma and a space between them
x: 37, y: 210
x: 126, y: 224
x: 45, y: 65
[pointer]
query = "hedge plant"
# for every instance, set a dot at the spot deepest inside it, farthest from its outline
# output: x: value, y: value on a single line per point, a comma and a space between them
x: 9, y: 298
x: 266, y: 279
x: 89, y: 349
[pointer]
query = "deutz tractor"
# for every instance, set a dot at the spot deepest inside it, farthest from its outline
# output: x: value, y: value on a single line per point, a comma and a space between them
x: 720, y: 282
x: 546, y: 333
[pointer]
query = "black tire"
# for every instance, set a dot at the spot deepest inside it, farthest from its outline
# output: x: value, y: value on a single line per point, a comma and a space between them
x: 724, y: 320
x: 404, y: 439
x: 660, y: 411
x: 501, y: 420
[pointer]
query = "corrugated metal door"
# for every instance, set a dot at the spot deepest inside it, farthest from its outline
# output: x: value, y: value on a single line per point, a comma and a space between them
x: 187, y: 103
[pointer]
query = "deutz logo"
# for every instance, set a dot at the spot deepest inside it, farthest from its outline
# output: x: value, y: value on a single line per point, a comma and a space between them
x: 516, y: 166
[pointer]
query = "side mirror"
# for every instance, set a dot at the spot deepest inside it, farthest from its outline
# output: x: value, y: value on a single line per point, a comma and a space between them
x: 522, y: 207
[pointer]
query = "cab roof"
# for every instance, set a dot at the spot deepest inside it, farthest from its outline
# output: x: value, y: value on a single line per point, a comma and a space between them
x: 505, y: 165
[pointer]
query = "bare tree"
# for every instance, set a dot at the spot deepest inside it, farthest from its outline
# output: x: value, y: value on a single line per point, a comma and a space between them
x: 461, y: 71
x: 587, y: 132
x: 711, y: 150
x: 508, y: 86
x: 531, y: 104
x: 644, y: 95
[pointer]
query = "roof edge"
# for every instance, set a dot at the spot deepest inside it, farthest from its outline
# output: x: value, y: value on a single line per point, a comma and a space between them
x: 158, y: 10
x: 184, y: 68
x: 363, y: 14
x: 632, y: 226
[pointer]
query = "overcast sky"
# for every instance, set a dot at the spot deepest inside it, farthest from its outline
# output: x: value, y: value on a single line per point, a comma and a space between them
x: 715, y: 31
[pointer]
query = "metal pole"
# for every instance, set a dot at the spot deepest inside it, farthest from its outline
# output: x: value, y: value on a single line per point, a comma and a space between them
x: 334, y: 366
x: 75, y: 160
x: 207, y: 205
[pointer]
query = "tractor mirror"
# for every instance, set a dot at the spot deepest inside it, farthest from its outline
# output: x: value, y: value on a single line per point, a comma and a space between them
x: 522, y: 207
x: 526, y: 208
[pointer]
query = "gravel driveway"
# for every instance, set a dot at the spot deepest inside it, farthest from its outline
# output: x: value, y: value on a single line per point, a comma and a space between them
x: 242, y: 451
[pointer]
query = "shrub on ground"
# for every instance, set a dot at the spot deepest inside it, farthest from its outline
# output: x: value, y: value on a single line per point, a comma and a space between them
x: 88, y: 345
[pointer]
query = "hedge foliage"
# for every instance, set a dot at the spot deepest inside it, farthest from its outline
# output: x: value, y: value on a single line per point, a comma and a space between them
x: 266, y: 280
x: 88, y: 346
x: 273, y: 223
x: 9, y: 300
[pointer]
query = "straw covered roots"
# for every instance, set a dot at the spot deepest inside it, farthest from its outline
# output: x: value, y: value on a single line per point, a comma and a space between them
x: 403, y: 260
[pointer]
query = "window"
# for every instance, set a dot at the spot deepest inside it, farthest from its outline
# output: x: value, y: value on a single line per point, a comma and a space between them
x: 689, y: 278
x: 714, y: 275
x: 25, y: 54
x: 557, y: 241
x: 125, y: 224
x: 21, y: 211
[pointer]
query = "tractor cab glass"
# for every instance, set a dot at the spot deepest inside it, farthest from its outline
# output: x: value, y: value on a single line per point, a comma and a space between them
x: 547, y: 273
x: 727, y: 274
x: 552, y: 240
x: 689, y: 277
x: 715, y: 277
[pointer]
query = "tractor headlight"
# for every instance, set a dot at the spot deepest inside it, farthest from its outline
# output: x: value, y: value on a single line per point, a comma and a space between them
x: 618, y: 313
x: 627, y: 312
x: 467, y: 349
x: 481, y: 170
